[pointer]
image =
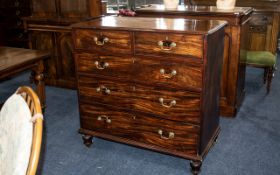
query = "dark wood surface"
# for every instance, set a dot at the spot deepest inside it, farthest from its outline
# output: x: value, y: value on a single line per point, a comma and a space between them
x: 233, y: 76
x: 49, y: 29
x: 145, y: 91
x: 16, y: 60
x: 147, y: 24
x: 12, y: 32
x: 264, y: 24
x: 194, y: 10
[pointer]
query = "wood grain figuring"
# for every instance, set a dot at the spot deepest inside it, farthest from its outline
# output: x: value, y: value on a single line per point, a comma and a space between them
x: 142, y: 98
x: 143, y: 70
x: 232, y: 85
x: 76, y: 8
x: 119, y: 42
x: 266, y: 13
x: 212, y: 72
x: 67, y: 64
x: 190, y: 45
x: 188, y: 76
x: 14, y: 61
x: 118, y: 66
x: 49, y: 29
x: 141, y: 128
x: 165, y: 101
x: 44, y: 8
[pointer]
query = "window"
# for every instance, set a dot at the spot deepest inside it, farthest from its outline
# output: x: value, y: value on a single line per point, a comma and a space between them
x: 116, y: 5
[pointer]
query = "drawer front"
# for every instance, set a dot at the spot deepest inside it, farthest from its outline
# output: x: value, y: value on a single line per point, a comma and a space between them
x: 104, y: 65
x: 118, y: 42
x: 168, y: 44
x: 177, y: 105
x: 175, y: 73
x: 149, y: 130
x: 94, y: 89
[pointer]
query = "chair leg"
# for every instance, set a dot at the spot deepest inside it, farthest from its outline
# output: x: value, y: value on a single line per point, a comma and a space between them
x: 265, y: 75
x: 269, y: 79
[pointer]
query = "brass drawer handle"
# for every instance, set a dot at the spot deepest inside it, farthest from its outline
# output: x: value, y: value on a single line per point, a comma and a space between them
x: 100, y: 41
x: 172, y: 103
x: 171, y: 135
x: 166, y: 45
x: 103, y: 89
x: 165, y: 75
x: 101, y: 65
x: 104, y: 117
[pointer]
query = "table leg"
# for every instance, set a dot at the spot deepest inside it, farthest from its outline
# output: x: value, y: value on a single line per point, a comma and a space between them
x: 40, y: 84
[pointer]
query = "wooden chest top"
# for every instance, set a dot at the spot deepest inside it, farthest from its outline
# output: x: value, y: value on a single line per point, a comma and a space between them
x: 197, y: 10
x: 153, y: 24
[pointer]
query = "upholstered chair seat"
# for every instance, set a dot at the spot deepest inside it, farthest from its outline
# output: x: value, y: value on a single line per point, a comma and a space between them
x: 265, y: 60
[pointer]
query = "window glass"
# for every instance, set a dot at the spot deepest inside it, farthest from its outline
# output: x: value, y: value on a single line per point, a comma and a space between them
x: 115, y: 5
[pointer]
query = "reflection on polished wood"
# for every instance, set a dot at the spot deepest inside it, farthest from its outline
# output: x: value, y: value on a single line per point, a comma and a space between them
x: 157, y: 24
x: 16, y: 60
x: 233, y: 76
x: 150, y: 82
x: 264, y: 24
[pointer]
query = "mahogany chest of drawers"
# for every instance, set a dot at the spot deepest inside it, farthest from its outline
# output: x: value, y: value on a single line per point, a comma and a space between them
x: 150, y: 82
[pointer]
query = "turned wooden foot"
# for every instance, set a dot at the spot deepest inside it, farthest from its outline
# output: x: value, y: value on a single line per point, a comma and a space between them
x: 216, y: 139
x: 195, y: 166
x: 87, y: 140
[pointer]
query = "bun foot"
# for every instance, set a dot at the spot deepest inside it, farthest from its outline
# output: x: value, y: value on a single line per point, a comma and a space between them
x: 216, y: 139
x: 195, y: 166
x: 87, y: 140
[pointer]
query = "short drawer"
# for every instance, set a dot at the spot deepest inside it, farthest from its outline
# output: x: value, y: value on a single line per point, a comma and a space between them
x: 152, y: 131
x: 104, y: 65
x: 103, y: 41
x: 168, y: 44
x: 106, y: 91
x: 164, y: 72
x: 172, y: 104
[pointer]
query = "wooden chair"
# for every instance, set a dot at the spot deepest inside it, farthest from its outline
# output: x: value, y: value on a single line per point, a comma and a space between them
x: 265, y: 60
x: 32, y: 103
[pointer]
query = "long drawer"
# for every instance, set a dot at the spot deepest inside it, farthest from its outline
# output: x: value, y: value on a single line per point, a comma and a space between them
x: 179, y: 73
x: 172, y: 104
x: 169, y: 44
x: 167, y: 134
x: 105, y: 41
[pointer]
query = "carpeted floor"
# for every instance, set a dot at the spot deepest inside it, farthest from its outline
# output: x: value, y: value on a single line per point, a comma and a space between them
x: 247, y: 145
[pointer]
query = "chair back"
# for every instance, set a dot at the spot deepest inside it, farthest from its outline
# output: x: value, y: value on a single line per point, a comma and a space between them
x: 21, y: 125
x: 34, y: 105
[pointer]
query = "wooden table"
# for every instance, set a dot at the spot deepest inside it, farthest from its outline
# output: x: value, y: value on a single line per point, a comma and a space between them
x: 236, y: 42
x: 14, y: 61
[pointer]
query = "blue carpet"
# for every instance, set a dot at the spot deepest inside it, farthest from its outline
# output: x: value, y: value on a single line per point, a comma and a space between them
x: 247, y: 145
